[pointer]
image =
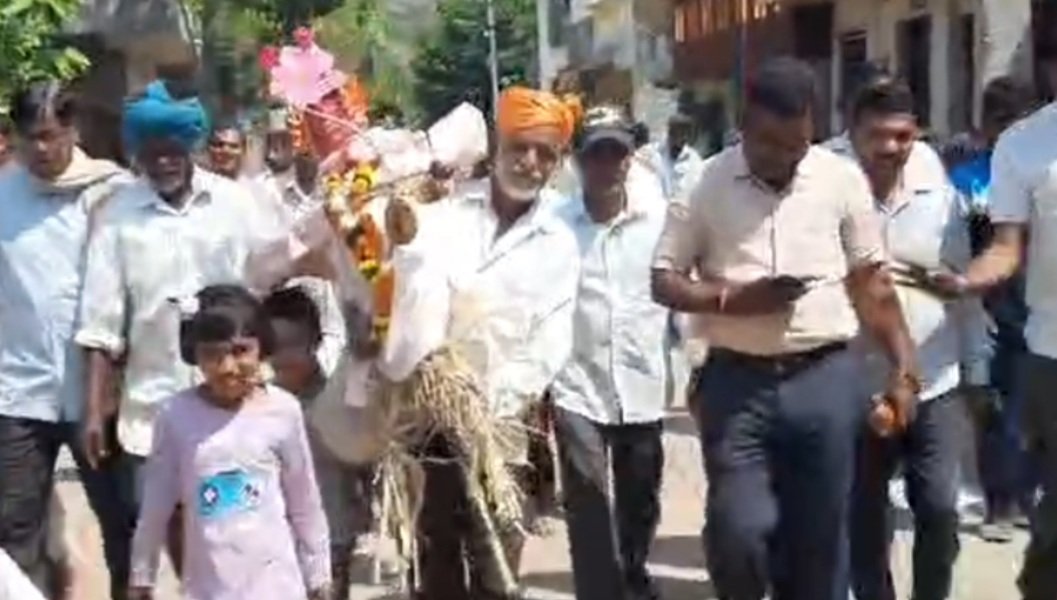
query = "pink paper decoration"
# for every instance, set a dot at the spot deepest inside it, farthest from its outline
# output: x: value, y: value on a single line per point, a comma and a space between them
x: 304, y: 73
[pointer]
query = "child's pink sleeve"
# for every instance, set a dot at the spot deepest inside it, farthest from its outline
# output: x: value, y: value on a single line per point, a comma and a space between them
x: 160, y: 497
x: 304, y: 506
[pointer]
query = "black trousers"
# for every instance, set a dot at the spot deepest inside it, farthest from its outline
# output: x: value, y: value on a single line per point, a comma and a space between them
x: 1038, y: 580
x: 779, y: 443
x: 28, y: 453
x: 448, y: 537
x: 610, y: 540
x: 929, y: 451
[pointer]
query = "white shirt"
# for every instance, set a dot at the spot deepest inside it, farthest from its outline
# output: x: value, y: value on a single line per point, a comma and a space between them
x: 43, y: 232
x: 1024, y: 191
x: 617, y: 373
x: 13, y: 582
x: 925, y: 226
x: 291, y: 204
x: 288, y: 197
x: 511, y: 297
x: 643, y: 171
x: 147, y: 257
x: 677, y: 174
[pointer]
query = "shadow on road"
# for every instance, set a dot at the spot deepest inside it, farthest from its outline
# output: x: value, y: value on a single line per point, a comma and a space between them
x: 678, y: 551
x: 680, y: 422
x: 676, y: 563
x: 670, y: 588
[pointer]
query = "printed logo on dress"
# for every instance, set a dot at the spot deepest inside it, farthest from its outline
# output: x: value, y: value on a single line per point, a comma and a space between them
x: 228, y: 493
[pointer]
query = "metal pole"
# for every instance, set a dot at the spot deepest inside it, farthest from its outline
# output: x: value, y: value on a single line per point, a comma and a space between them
x: 493, y: 57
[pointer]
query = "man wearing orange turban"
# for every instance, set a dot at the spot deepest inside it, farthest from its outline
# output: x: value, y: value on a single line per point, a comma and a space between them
x: 508, y: 268
x: 523, y: 109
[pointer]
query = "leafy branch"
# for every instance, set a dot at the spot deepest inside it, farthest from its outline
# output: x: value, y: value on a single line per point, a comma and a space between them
x: 30, y: 35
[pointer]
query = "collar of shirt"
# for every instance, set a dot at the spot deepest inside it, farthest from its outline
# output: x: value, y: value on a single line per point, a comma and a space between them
x: 296, y: 195
x: 805, y: 171
x: 922, y: 174
x: 537, y: 220
x: 636, y: 207
x: 202, y: 184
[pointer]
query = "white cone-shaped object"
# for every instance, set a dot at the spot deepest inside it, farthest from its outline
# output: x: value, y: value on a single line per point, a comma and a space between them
x: 460, y: 138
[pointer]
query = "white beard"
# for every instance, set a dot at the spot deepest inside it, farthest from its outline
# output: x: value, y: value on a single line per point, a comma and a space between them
x: 514, y: 191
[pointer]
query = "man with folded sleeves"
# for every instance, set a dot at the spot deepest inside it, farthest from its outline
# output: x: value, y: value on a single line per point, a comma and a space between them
x: 789, y: 252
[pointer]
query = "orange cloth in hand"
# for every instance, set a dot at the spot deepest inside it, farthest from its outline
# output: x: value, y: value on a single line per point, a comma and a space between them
x: 522, y: 109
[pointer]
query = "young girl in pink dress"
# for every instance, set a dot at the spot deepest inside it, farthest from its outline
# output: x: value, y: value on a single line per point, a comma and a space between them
x: 235, y: 454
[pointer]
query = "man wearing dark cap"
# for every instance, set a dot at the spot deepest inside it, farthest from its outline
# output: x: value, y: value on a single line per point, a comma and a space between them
x: 610, y: 396
x: 791, y: 261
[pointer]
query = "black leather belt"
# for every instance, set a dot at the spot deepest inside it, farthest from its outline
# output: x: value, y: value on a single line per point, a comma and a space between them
x: 779, y: 364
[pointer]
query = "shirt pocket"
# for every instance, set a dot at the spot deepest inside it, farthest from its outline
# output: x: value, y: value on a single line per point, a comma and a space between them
x: 808, y: 244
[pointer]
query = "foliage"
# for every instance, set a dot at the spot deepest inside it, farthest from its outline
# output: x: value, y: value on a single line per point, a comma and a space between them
x: 361, y: 36
x: 31, y: 44
x: 283, y: 16
x: 233, y: 33
x: 453, y: 65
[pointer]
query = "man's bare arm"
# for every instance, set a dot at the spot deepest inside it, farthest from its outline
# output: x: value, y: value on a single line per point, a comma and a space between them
x: 98, y: 405
x: 764, y: 296
x: 1000, y: 261
x: 874, y: 297
x: 680, y: 293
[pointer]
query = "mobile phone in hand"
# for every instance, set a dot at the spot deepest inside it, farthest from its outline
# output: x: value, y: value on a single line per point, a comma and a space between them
x: 791, y: 285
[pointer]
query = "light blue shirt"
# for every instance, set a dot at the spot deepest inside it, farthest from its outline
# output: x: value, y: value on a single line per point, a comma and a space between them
x: 925, y: 227
x: 1024, y: 192
x: 42, y: 238
x: 617, y: 372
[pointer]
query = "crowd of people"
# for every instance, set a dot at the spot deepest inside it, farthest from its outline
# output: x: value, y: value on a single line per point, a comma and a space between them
x: 178, y: 326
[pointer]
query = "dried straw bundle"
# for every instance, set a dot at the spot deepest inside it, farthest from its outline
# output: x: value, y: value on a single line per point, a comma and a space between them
x: 443, y: 397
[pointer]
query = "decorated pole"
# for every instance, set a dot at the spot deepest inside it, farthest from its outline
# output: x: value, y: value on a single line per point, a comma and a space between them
x: 493, y: 56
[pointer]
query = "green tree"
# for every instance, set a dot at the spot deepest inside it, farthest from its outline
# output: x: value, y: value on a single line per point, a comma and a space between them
x: 233, y: 31
x: 30, y: 43
x: 361, y: 36
x: 453, y: 67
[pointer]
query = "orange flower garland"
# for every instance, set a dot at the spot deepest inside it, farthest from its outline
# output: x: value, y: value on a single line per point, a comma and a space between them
x: 366, y: 240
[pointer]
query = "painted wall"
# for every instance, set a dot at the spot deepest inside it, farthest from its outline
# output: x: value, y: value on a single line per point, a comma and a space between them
x: 1001, y: 46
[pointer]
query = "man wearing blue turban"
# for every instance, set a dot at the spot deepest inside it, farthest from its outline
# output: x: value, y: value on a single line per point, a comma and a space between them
x: 175, y: 230
x: 157, y: 113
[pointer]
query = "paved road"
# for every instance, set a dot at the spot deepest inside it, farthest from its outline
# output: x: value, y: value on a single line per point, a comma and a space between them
x: 985, y: 571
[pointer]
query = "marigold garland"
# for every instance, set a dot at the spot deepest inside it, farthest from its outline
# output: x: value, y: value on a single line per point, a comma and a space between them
x: 348, y: 194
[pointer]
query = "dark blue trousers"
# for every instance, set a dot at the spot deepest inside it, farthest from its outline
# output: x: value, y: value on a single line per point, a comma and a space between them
x: 1038, y: 580
x: 1005, y: 466
x: 778, y: 448
x: 28, y: 453
x: 929, y: 452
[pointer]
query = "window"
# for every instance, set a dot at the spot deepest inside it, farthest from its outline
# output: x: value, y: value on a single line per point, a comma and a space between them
x: 693, y: 19
x: 558, y: 14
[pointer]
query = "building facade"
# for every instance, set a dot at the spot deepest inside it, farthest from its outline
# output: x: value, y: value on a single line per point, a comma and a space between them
x: 130, y: 43
x: 617, y: 51
x: 946, y: 49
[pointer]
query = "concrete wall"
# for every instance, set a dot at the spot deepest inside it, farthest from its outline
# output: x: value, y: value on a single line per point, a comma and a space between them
x: 1001, y: 46
x: 630, y: 38
x: 880, y: 21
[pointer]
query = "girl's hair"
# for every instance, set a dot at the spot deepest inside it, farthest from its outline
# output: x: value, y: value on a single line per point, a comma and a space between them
x: 294, y: 304
x: 225, y: 312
